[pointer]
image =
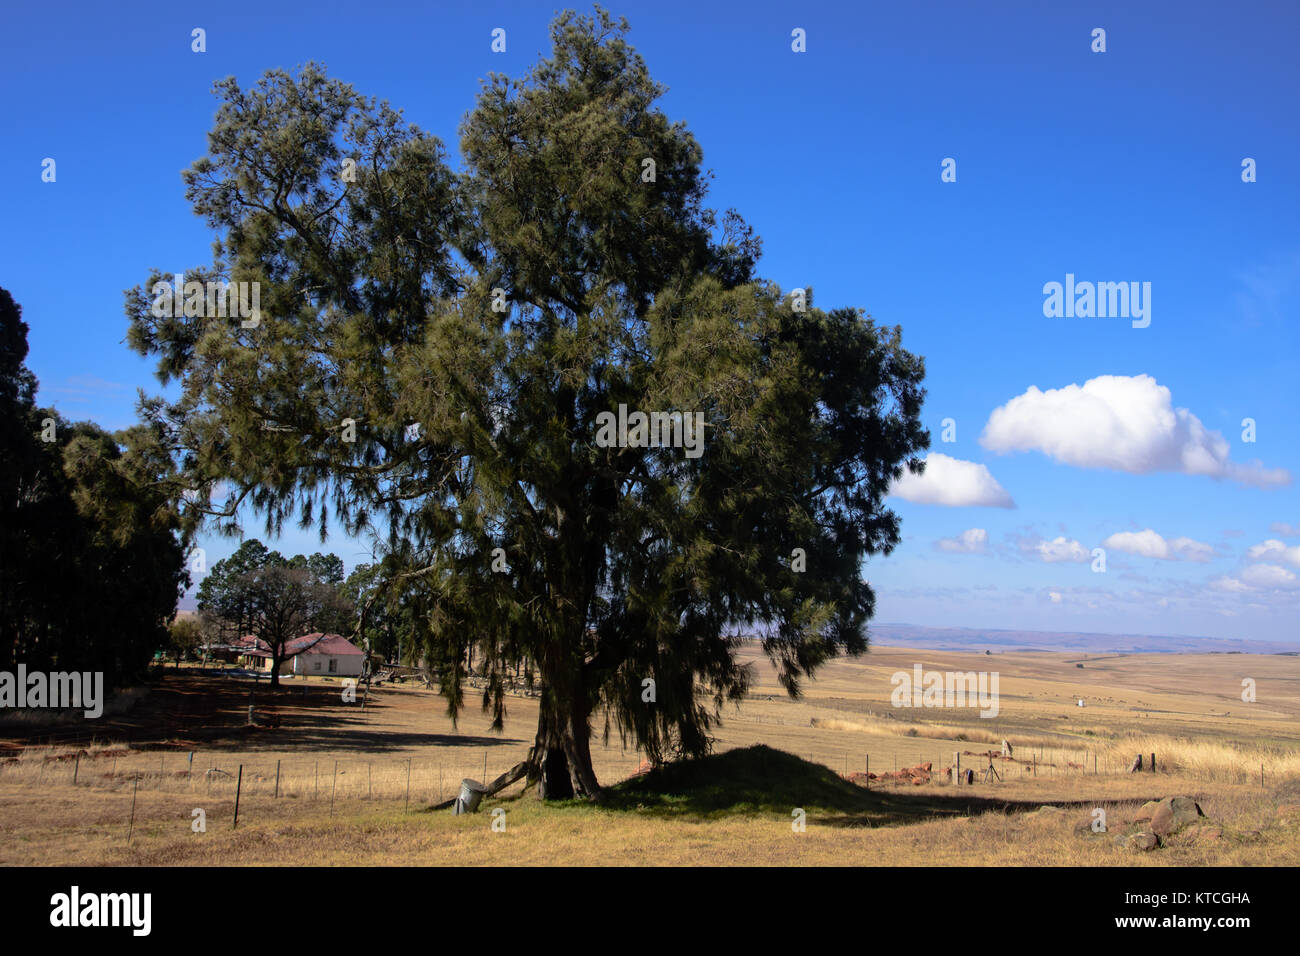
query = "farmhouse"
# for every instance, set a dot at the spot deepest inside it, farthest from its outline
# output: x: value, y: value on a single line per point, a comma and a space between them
x: 306, y: 656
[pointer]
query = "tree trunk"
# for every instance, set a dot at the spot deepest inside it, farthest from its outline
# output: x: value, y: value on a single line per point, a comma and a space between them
x: 560, y: 760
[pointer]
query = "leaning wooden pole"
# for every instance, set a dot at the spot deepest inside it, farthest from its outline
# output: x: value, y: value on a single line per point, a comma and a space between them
x: 239, y: 788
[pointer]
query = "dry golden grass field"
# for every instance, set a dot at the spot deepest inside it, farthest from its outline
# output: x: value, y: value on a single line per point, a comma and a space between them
x: 354, y: 785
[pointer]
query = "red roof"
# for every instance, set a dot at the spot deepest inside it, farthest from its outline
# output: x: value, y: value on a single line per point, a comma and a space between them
x: 330, y: 645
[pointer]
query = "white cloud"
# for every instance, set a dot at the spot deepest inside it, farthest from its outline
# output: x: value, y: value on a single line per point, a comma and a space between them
x: 1149, y: 544
x: 1284, y: 529
x: 952, y: 482
x: 1055, y: 596
x: 1191, y: 550
x: 1061, y: 549
x: 970, y: 541
x: 1268, y: 576
x: 1274, y: 550
x: 1126, y: 423
x: 1257, y: 577
x: 1231, y: 585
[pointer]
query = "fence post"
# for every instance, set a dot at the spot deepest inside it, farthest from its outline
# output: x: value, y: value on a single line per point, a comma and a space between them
x: 956, y: 758
x: 76, y: 769
x: 277, y: 778
x: 133, y: 793
x: 239, y: 786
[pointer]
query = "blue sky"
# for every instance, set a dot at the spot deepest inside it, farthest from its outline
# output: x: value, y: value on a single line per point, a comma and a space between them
x: 1117, y: 166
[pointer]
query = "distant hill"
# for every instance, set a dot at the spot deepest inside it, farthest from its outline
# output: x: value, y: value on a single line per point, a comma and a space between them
x: 979, y: 639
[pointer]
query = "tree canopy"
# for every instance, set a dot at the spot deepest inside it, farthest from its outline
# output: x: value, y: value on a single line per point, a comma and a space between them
x: 435, y: 350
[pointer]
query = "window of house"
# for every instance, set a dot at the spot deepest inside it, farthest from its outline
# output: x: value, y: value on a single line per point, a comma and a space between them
x: 334, y: 665
x: 315, y: 665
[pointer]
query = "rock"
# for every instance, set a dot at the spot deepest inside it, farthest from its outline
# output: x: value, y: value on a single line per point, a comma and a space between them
x: 1146, y: 840
x: 1162, y: 821
x: 1173, y: 814
x: 1186, y: 809
x: 1147, y: 810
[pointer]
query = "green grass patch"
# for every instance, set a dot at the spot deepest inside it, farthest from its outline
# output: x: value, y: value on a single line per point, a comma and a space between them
x: 749, y: 780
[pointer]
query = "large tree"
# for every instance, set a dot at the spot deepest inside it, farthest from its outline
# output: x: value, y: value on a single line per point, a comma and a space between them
x: 285, y: 605
x: 275, y: 599
x: 435, y: 350
x: 219, y: 596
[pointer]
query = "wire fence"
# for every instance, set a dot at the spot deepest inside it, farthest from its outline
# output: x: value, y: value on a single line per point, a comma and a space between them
x: 420, y: 780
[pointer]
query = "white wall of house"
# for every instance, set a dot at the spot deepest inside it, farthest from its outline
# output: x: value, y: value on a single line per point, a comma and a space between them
x: 327, y: 665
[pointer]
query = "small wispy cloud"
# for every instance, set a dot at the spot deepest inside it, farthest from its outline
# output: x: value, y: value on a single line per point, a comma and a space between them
x: 970, y: 541
x: 1150, y: 544
x: 1274, y: 550
x: 84, y: 389
x: 1266, y: 287
x: 1056, y: 550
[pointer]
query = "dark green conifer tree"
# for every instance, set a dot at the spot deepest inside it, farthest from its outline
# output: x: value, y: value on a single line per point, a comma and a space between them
x: 435, y: 350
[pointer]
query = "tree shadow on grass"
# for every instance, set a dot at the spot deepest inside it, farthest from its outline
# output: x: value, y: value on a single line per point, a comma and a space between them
x: 191, y: 711
x: 760, y: 779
